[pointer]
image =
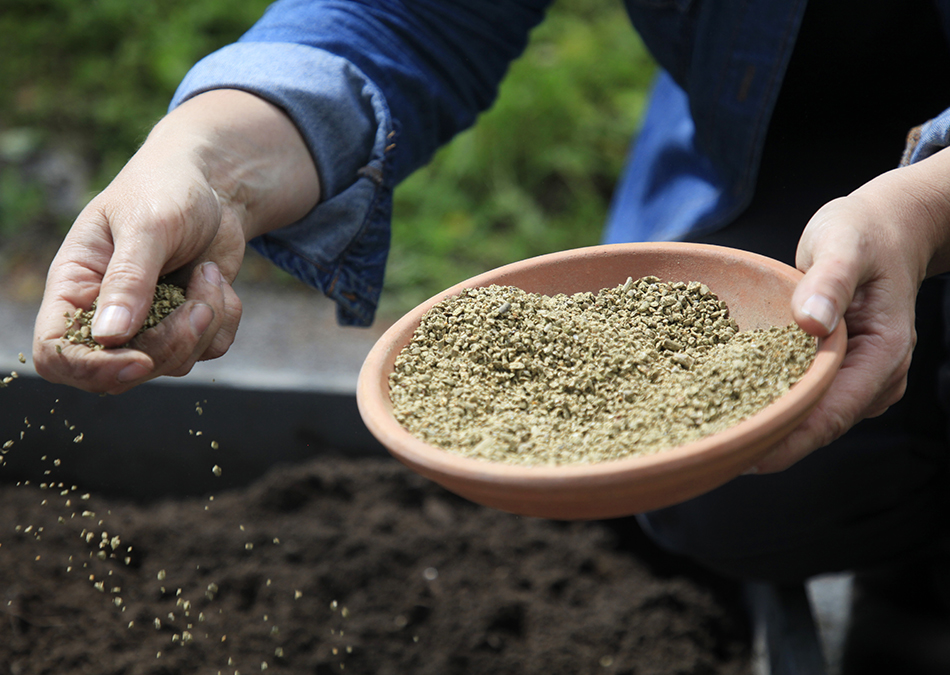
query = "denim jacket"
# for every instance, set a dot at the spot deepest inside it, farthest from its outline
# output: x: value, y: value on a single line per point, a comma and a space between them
x: 376, y: 86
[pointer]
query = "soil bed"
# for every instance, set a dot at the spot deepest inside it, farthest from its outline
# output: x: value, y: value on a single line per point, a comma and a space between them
x: 353, y: 566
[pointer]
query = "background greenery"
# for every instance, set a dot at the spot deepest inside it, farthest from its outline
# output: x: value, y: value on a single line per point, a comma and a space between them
x: 89, y: 78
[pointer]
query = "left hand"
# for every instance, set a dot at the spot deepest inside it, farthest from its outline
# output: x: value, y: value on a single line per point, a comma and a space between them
x: 864, y: 258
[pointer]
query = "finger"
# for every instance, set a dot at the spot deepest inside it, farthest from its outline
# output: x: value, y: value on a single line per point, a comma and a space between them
x: 127, y: 289
x: 95, y: 371
x: 224, y: 337
x: 830, y: 255
x: 228, y: 315
x: 73, y: 283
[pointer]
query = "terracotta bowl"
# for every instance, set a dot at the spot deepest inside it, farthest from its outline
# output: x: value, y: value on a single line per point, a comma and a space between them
x: 758, y: 291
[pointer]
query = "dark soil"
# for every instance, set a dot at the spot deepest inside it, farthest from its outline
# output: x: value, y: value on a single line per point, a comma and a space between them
x: 353, y: 566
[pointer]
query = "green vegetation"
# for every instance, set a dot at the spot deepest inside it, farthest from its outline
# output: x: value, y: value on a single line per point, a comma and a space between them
x: 91, y: 78
x: 536, y: 172
x: 99, y: 74
x: 533, y: 176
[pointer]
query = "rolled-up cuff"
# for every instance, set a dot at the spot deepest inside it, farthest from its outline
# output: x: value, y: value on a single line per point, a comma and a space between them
x: 341, y: 246
x: 927, y: 139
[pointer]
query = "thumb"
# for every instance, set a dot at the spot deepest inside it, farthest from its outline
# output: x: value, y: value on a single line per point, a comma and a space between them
x: 828, y: 255
x: 127, y: 290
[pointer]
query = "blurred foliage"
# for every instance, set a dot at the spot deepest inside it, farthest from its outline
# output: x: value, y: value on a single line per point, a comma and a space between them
x: 101, y: 72
x: 534, y: 175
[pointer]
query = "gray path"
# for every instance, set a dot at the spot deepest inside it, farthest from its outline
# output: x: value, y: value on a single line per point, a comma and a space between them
x: 288, y: 339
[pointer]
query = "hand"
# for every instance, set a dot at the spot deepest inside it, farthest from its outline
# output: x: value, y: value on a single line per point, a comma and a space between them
x: 864, y: 258
x: 219, y: 170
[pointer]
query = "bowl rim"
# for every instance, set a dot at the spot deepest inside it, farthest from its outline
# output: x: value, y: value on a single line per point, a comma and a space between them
x: 376, y: 408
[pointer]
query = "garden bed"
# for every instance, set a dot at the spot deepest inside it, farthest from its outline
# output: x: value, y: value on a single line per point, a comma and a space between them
x: 343, y: 565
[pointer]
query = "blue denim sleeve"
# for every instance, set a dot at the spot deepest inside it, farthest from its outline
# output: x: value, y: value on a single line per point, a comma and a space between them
x: 927, y: 139
x: 375, y: 87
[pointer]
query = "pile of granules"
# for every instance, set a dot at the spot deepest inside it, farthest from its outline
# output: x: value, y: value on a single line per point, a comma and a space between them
x: 167, y: 299
x: 500, y: 374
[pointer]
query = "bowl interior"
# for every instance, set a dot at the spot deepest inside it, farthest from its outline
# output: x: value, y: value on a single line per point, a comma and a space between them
x: 758, y: 292
x: 756, y: 289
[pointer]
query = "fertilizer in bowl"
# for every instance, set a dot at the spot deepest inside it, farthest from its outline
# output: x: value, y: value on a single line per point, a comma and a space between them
x: 503, y: 375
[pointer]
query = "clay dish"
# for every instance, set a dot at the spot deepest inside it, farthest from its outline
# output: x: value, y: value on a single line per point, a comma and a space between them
x: 758, y: 291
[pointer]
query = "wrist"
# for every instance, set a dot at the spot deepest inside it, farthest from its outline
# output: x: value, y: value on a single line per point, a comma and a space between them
x: 250, y: 154
x: 909, y: 209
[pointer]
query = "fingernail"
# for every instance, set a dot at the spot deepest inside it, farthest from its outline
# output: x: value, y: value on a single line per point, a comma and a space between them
x: 201, y: 317
x: 211, y: 273
x: 111, y: 320
x: 822, y: 310
x: 132, y: 372
x: 751, y: 471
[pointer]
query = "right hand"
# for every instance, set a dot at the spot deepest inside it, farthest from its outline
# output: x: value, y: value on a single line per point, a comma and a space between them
x: 219, y: 170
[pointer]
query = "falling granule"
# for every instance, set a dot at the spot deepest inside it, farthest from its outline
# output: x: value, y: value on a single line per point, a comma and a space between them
x: 21, y: 358
x: 161, y: 575
x: 78, y: 438
x: 216, y: 470
x: 214, y: 445
x: 298, y: 595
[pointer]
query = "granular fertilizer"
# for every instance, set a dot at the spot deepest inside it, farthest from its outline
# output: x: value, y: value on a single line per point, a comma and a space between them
x: 500, y: 374
x: 167, y: 299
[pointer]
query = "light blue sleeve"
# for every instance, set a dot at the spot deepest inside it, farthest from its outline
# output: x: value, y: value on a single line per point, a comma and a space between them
x: 339, y: 247
x: 927, y: 139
